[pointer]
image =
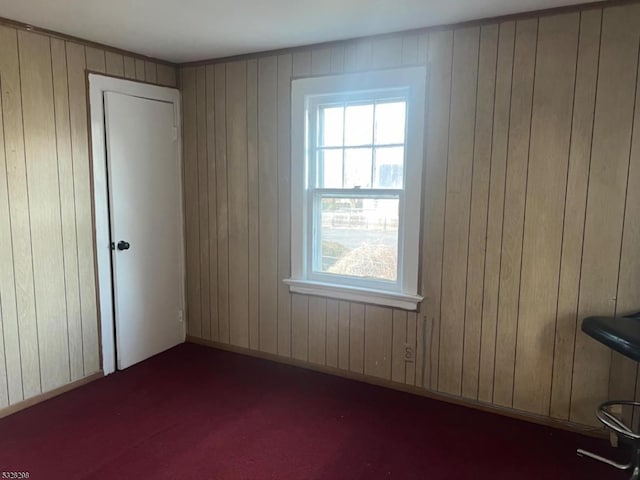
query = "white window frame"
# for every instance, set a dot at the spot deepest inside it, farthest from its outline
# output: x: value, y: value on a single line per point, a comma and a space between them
x: 305, y: 94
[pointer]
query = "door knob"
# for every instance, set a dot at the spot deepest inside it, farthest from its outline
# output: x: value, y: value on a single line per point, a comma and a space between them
x: 122, y: 245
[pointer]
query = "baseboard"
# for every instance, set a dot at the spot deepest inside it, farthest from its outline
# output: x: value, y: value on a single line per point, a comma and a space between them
x: 11, y: 409
x: 485, y: 407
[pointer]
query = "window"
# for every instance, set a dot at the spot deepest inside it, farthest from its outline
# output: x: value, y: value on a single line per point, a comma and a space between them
x: 356, y: 176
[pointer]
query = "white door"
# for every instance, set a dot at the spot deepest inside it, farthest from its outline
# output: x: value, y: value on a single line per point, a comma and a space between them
x: 145, y: 223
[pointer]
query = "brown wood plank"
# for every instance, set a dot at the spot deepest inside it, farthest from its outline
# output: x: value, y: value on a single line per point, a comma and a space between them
x: 513, y: 220
x: 114, y: 63
x: 399, y: 337
x: 502, y: 105
x: 221, y: 202
x: 253, y: 188
x: 546, y: 188
x: 140, y: 70
x: 166, y: 75
x: 129, y: 68
x: 356, y: 338
x: 378, y: 342
x: 317, y: 330
x: 434, y: 188
x: 44, y: 205
x: 238, y: 203
x: 212, y: 168
x: 268, y: 202
x: 344, y: 342
x: 300, y: 327
x: 464, y: 82
x: 150, y: 72
x: 76, y: 77
x: 605, y: 202
x: 575, y: 206
x: 191, y: 179
x: 485, y: 97
x: 333, y: 332
x: 67, y: 205
x: 201, y: 189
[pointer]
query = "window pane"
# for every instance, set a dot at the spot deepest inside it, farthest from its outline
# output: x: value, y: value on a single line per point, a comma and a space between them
x: 357, y: 167
x: 330, y: 168
x: 331, y: 119
x: 358, y: 237
x: 390, y: 122
x: 359, y: 125
x: 389, y: 167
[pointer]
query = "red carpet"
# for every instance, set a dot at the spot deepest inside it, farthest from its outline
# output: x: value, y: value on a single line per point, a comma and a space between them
x: 198, y: 413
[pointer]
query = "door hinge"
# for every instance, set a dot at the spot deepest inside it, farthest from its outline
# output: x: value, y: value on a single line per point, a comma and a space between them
x: 180, y: 316
x: 174, y: 134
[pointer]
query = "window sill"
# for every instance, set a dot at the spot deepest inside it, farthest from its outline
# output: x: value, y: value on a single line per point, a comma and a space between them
x: 355, y: 294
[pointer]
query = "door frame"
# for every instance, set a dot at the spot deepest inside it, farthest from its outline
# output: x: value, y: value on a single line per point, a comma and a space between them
x: 98, y: 84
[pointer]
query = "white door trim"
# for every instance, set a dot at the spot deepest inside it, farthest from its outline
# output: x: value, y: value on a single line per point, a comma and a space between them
x: 98, y: 84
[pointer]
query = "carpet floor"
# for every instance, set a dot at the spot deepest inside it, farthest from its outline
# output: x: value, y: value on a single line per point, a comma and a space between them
x: 199, y: 413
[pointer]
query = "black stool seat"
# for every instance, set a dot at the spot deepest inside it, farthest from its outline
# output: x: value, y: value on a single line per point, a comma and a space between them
x: 621, y: 334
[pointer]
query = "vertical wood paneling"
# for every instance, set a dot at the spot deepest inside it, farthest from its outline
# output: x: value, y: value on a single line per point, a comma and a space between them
x: 575, y: 206
x: 129, y: 68
x: 457, y: 208
x: 48, y: 310
x: 605, y: 201
x: 253, y: 188
x: 502, y: 107
x: 238, y: 203
x: 317, y: 330
x: 213, y: 201
x: 19, y: 212
x: 10, y: 161
x: 399, y: 337
x: 622, y: 383
x: 546, y: 188
x: 300, y: 327
x: 344, y: 342
x: 434, y: 190
x: 481, y: 172
x: 333, y: 333
x: 509, y: 166
x: 114, y: 64
x: 514, y: 205
x: 8, y: 320
x: 268, y: 202
x: 221, y: 202
x: 150, y: 72
x: 44, y: 208
x: 140, y: 70
x: 68, y: 207
x: 284, y: 203
x: 410, y: 366
x: 378, y: 343
x: 202, y: 191
x: 95, y: 59
x: 76, y: 77
x: 356, y: 338
x: 191, y: 201
x: 166, y: 75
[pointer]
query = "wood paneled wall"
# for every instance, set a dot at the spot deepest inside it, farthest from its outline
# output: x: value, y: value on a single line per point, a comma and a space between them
x: 531, y: 214
x: 48, y: 311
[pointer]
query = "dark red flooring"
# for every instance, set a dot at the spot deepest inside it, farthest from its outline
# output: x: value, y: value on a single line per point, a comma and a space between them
x: 198, y: 413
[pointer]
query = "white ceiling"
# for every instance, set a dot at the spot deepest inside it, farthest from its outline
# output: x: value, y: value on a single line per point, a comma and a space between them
x: 188, y: 30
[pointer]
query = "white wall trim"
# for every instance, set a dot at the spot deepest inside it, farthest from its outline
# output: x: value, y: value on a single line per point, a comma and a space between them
x: 98, y: 84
